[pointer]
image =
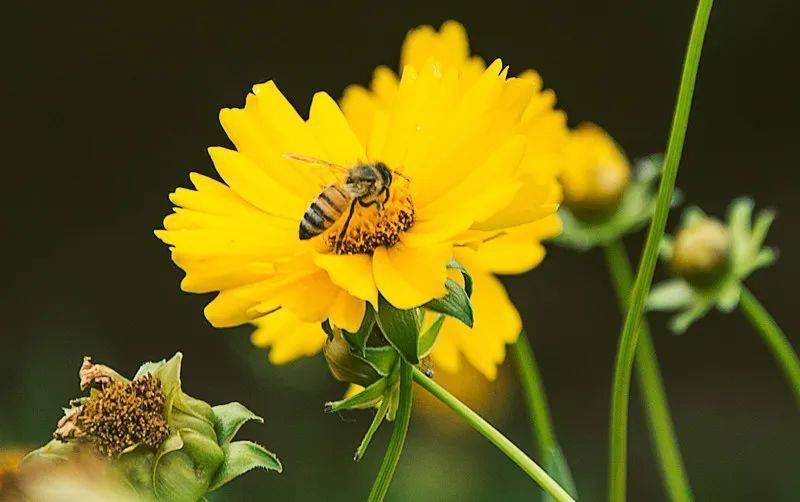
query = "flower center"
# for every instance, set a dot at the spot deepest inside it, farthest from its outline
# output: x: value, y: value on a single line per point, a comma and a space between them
x: 370, y: 227
x: 124, y: 415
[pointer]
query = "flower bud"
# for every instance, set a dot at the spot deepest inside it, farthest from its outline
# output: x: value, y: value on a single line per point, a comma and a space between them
x: 346, y: 366
x: 165, y: 444
x: 595, y: 175
x: 701, y: 252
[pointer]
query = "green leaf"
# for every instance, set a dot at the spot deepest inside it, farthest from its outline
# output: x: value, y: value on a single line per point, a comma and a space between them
x: 173, y: 443
x: 467, y: 278
x: 455, y: 303
x: 243, y: 456
x: 728, y: 297
x: 428, y: 337
x: 377, y: 420
x: 692, y: 215
x: 382, y: 359
x: 556, y: 466
x: 671, y: 294
x: 363, y: 400
x: 760, y: 228
x: 229, y: 418
x: 401, y: 329
x: 681, y: 322
x: 358, y: 340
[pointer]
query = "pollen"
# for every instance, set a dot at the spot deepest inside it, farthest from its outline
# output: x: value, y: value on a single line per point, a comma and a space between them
x: 371, y: 228
x: 123, y: 415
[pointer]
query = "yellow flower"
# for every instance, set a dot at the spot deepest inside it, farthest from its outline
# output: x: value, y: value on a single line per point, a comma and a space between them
x: 468, y: 182
x: 517, y: 250
x: 595, y: 174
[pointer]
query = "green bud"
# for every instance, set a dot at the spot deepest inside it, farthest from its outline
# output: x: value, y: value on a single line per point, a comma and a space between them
x: 701, y: 252
x: 346, y: 366
x: 166, y: 444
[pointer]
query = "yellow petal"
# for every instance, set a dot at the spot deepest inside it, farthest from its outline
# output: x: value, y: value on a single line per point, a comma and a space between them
x: 288, y: 337
x: 408, y: 277
x: 351, y: 272
x: 347, y: 312
x: 333, y: 133
x: 255, y: 186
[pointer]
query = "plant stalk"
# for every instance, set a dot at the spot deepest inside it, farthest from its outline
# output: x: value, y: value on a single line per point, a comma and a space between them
x: 495, y: 437
x: 399, y: 430
x: 623, y: 364
x: 538, y: 409
x: 651, y: 386
x: 774, y: 337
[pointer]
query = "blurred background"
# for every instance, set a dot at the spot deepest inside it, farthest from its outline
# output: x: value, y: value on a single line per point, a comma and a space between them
x: 112, y: 104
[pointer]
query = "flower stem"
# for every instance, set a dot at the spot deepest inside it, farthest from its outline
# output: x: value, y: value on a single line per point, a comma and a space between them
x: 623, y: 364
x: 402, y: 418
x: 651, y: 386
x: 541, y: 423
x: 495, y: 437
x: 774, y: 337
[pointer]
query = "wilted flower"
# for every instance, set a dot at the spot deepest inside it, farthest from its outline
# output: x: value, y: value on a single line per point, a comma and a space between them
x: 165, y: 444
x: 711, y: 261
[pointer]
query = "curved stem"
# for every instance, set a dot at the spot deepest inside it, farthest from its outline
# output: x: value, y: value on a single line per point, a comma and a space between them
x: 774, y: 337
x: 623, y: 364
x: 654, y: 398
x: 538, y: 410
x: 495, y: 437
x: 402, y: 418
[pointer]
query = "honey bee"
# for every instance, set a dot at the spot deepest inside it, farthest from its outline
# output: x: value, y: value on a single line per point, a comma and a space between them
x: 365, y: 184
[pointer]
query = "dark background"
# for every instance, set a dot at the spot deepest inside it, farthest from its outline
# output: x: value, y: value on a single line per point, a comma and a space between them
x: 111, y: 107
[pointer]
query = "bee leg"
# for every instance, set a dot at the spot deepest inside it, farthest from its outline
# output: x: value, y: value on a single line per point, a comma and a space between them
x: 343, y: 231
x: 385, y: 198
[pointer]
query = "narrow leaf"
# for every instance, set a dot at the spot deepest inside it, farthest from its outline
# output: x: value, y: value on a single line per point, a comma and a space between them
x: 358, y: 340
x: 429, y: 336
x: 228, y: 418
x: 401, y: 329
x: 364, y: 399
x: 455, y: 303
x: 467, y: 278
x: 243, y: 456
x: 377, y: 420
x: 557, y: 467
x: 671, y: 294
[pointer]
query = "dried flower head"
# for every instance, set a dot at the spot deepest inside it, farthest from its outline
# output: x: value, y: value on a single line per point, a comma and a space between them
x: 123, y: 415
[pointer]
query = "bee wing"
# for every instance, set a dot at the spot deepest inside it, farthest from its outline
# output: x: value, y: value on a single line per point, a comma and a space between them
x: 315, y: 161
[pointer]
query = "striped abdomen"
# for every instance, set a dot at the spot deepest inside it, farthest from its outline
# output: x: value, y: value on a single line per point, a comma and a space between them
x: 323, y: 212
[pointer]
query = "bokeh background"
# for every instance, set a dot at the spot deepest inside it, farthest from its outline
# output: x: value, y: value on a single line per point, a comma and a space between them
x: 111, y: 104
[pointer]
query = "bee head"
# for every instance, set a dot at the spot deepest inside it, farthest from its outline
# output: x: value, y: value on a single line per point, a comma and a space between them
x: 367, y: 179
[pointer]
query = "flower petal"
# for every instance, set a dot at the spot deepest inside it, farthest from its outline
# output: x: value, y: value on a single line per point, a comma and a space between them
x: 333, y: 133
x: 410, y: 276
x: 352, y: 272
x: 289, y: 337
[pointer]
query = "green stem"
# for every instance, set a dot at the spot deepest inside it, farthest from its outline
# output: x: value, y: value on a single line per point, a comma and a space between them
x: 538, y: 410
x: 402, y: 418
x: 495, y: 437
x: 774, y: 337
x: 651, y: 386
x: 623, y: 364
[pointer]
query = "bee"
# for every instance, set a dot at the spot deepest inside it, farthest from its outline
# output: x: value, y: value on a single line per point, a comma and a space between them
x: 365, y: 184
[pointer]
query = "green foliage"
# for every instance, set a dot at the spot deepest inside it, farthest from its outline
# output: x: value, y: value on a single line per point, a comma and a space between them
x: 455, y: 303
x: 401, y: 329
